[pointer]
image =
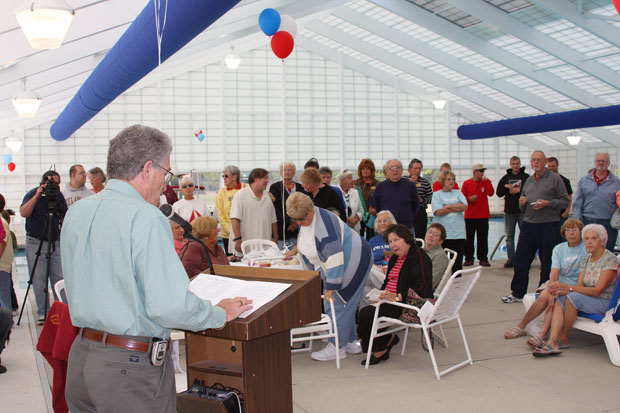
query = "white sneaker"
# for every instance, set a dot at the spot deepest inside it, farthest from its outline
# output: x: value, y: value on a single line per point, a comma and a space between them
x: 328, y: 353
x: 354, y: 347
x: 508, y: 299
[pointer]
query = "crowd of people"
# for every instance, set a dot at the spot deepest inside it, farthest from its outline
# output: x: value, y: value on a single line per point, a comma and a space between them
x: 358, y: 232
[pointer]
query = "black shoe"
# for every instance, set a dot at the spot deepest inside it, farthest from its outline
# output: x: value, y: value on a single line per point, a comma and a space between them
x: 394, y: 342
x: 468, y: 263
x: 508, y: 265
x: 376, y: 360
x: 484, y: 263
x: 2, y: 369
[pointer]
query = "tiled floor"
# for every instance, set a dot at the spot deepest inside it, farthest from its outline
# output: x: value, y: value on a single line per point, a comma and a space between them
x: 504, y: 377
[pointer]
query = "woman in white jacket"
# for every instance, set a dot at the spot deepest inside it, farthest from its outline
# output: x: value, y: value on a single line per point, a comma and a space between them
x: 353, y: 206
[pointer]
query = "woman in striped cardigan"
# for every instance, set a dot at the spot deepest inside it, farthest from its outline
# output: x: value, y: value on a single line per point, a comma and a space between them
x: 344, y: 259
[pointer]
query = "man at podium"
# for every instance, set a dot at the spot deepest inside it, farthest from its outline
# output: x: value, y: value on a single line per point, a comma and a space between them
x: 126, y: 287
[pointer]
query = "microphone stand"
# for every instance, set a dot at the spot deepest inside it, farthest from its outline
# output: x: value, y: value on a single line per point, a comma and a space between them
x: 188, y: 236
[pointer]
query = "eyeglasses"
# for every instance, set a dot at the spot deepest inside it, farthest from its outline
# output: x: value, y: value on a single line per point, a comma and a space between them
x: 433, y: 234
x: 395, y: 168
x: 168, y: 175
x: 225, y: 176
x: 298, y: 219
x: 187, y: 186
x: 480, y: 170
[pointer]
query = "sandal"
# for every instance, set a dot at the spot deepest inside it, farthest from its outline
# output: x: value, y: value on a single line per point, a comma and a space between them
x: 562, y: 346
x: 514, y: 333
x: 535, y: 341
x: 546, y: 350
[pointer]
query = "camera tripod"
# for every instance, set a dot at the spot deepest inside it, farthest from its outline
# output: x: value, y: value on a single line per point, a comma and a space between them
x: 49, y: 236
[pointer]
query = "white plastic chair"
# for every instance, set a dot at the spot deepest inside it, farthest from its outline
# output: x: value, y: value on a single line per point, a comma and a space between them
x: 444, y: 279
x: 420, y: 243
x: 445, y: 309
x: 258, y: 245
x: 325, y: 328
x: 175, y: 337
x: 59, y: 288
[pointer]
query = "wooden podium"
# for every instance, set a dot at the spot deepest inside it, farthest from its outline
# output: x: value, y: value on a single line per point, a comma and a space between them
x: 253, y: 354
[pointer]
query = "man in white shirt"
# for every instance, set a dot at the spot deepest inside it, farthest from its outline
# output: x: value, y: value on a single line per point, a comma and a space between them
x: 189, y: 207
x: 76, y: 188
x: 252, y: 214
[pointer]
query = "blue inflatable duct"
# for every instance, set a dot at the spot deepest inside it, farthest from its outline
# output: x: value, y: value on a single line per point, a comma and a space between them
x: 135, y: 55
x: 574, y: 119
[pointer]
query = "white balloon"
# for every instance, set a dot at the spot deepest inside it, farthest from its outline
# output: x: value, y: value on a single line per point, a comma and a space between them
x: 287, y: 24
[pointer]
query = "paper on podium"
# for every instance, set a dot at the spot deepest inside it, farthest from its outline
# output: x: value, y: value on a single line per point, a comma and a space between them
x: 215, y: 288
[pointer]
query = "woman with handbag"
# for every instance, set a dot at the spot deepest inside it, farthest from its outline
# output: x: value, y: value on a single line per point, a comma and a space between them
x: 409, y: 268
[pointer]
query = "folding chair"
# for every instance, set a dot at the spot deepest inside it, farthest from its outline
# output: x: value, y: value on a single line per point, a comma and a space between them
x: 325, y: 328
x: 445, y: 309
x: 444, y: 279
x: 258, y: 245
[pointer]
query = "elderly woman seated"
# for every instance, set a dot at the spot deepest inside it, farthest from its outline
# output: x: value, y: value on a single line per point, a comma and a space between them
x: 592, y: 293
x: 409, y: 268
x: 194, y: 259
x: 177, y: 236
x: 565, y: 263
x: 435, y: 236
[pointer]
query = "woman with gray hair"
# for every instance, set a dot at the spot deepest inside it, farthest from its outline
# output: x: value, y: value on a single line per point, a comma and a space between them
x: 280, y: 191
x: 351, y: 196
x: 595, y: 286
x: 343, y: 259
x: 223, y: 201
x: 97, y: 178
x: 188, y: 207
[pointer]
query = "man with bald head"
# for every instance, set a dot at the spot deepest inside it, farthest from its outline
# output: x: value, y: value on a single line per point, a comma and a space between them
x: 595, y: 201
x: 542, y: 198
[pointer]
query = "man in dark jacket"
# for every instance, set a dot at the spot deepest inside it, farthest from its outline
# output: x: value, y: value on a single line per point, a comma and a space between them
x: 510, y: 187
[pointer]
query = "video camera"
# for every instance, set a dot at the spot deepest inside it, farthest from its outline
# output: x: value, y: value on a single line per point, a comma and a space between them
x: 50, y: 192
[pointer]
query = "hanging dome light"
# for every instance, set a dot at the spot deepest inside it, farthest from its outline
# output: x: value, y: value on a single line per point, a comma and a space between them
x: 44, y: 22
x: 573, y: 139
x: 232, y: 60
x: 13, y: 143
x: 439, y: 102
x: 26, y: 102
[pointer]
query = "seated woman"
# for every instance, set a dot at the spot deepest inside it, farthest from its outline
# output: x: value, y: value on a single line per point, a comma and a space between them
x: 343, y: 259
x: 435, y: 236
x: 323, y: 196
x: 592, y: 293
x: 381, y: 252
x: 379, y: 246
x: 177, y: 236
x: 565, y: 263
x: 194, y: 260
x: 409, y: 267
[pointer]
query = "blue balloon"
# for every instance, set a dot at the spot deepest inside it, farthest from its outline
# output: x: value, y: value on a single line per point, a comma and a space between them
x: 201, y: 137
x: 8, y: 158
x: 269, y: 21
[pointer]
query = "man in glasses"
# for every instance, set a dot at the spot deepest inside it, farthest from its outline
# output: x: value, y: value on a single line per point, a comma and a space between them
x: 396, y: 194
x: 126, y: 286
x: 477, y: 190
x: 189, y: 207
x: 543, y: 197
x: 231, y: 176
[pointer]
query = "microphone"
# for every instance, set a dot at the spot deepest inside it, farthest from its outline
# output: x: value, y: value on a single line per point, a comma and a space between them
x: 166, y: 209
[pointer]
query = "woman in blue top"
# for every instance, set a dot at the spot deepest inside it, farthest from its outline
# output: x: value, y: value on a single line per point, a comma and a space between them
x: 330, y: 246
x: 378, y: 245
x: 449, y: 206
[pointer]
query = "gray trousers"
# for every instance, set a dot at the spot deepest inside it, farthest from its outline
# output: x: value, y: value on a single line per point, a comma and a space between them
x: 38, y: 279
x: 103, y: 378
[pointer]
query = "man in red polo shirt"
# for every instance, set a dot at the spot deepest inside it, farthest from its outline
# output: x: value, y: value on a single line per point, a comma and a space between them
x: 477, y: 190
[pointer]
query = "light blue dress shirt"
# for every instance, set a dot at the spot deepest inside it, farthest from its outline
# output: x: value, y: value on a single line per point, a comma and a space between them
x: 122, y: 274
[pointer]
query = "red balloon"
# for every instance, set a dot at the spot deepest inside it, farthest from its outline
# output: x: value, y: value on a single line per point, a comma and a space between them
x: 282, y: 44
x: 617, y: 5
x: 11, y: 166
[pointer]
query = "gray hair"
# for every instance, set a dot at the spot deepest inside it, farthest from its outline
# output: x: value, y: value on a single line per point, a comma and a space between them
x: 234, y: 171
x: 603, y: 153
x: 186, y: 180
x: 389, y: 214
x: 98, y: 172
x: 394, y: 159
x: 133, y: 147
x: 290, y: 164
x: 598, y: 228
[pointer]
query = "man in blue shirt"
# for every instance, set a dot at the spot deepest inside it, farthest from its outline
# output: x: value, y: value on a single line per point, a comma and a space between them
x: 36, y: 206
x: 595, y: 201
x: 125, y: 285
x: 397, y: 195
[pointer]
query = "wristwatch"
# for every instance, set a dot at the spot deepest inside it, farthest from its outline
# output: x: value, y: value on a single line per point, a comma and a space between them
x: 236, y: 239
x: 570, y: 289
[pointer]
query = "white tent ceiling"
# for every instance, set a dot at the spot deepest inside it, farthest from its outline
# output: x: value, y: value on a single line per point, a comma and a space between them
x: 492, y: 59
